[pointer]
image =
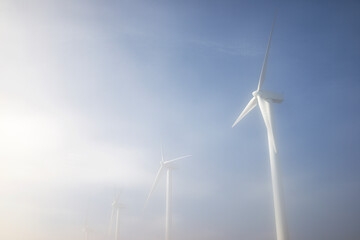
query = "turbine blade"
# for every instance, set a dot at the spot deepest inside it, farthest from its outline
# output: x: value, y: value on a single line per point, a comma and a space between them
x: 162, y: 154
x: 263, y: 69
x: 154, y: 184
x: 117, y: 197
x: 271, y: 130
x: 266, y: 113
x: 246, y: 110
x: 263, y: 111
x: 175, y: 159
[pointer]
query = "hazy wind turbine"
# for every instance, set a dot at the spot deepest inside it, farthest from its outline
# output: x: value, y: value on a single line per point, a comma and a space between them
x: 264, y: 100
x: 168, y: 166
x: 116, y: 207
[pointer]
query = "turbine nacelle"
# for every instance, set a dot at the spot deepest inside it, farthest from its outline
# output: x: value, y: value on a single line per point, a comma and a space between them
x: 118, y: 205
x: 269, y: 96
x: 163, y: 165
x: 255, y: 93
x: 116, y: 202
x: 167, y: 164
x: 263, y: 99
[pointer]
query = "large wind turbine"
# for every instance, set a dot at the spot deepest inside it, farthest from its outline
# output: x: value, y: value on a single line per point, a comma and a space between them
x: 264, y: 100
x: 116, y: 207
x: 168, y: 166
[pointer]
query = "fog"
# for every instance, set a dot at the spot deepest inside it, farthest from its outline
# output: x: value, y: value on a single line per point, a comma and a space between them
x: 91, y: 90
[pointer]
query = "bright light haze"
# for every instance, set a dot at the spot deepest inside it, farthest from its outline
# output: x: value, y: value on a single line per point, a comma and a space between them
x: 90, y: 90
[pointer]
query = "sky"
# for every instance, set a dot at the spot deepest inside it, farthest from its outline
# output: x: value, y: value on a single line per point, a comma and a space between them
x: 91, y: 90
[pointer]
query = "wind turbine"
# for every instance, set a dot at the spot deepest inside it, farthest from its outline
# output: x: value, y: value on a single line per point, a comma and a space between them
x: 264, y: 100
x: 168, y: 166
x: 116, y: 207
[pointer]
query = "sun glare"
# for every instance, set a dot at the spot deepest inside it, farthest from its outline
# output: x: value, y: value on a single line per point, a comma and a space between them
x: 28, y: 134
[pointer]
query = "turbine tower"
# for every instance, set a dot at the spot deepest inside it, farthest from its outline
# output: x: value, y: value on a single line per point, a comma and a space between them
x: 264, y: 100
x: 168, y: 166
x: 116, y: 207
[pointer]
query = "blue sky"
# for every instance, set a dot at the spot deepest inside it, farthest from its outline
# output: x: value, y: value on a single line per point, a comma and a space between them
x: 90, y: 90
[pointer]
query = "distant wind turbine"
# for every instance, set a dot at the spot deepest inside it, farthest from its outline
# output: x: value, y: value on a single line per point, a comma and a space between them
x: 116, y: 207
x: 264, y: 100
x: 168, y: 165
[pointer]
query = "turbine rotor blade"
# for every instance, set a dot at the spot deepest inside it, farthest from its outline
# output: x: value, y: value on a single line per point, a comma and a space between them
x: 263, y: 111
x: 246, y: 110
x: 175, y: 159
x: 263, y: 69
x: 117, y: 197
x: 266, y: 113
x: 154, y: 184
x: 162, y: 154
x: 271, y: 130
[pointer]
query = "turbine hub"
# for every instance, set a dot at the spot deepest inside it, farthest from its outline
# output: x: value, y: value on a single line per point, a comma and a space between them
x: 256, y: 93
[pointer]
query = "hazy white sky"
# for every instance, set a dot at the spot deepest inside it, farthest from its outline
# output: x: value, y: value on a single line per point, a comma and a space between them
x: 89, y: 90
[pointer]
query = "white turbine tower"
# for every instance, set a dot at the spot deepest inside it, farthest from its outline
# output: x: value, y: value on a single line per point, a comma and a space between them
x: 264, y: 100
x: 168, y: 165
x: 116, y: 207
